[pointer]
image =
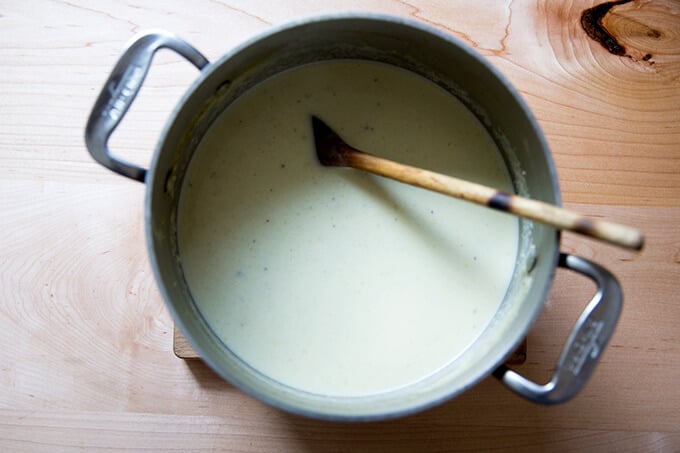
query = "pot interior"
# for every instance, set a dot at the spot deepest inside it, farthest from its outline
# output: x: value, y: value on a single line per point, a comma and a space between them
x: 420, y: 50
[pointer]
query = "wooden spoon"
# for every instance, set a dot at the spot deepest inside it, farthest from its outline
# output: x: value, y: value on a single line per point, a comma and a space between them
x: 332, y: 151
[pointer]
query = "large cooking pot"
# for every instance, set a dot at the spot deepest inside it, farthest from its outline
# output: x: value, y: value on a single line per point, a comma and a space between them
x: 417, y: 48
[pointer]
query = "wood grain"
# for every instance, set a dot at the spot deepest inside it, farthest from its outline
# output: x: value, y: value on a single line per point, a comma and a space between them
x: 87, y: 342
x: 238, y: 433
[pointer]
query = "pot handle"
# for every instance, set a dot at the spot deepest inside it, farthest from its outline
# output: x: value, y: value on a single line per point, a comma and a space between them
x: 120, y: 90
x: 585, y: 344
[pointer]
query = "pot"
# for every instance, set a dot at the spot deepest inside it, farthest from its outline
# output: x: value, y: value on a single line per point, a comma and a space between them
x: 417, y: 48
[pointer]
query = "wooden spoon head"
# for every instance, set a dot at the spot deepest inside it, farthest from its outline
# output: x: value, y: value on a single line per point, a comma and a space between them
x: 331, y: 150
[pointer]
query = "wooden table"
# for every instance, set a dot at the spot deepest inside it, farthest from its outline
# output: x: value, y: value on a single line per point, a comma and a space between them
x: 87, y: 342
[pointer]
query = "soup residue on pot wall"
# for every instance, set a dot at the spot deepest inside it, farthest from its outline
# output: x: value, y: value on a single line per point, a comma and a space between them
x: 330, y: 280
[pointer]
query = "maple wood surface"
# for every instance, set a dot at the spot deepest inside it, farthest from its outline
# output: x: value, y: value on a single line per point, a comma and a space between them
x: 87, y: 341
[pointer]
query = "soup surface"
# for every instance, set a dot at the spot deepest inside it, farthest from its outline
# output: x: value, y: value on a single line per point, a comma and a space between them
x: 331, y: 280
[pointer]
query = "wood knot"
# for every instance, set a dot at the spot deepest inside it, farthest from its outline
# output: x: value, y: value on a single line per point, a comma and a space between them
x: 591, y: 21
x: 645, y: 32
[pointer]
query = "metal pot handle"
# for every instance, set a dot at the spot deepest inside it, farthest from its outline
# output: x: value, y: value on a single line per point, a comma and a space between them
x: 585, y: 344
x: 120, y: 90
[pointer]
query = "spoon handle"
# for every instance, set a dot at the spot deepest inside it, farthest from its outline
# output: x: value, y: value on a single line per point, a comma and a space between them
x: 538, y: 211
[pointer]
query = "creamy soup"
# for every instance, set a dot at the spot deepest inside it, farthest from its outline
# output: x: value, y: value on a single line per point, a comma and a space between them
x: 331, y: 280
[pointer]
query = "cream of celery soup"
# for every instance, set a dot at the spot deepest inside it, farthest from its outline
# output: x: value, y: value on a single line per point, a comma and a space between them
x: 331, y: 280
